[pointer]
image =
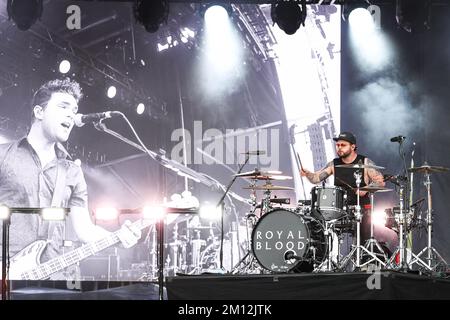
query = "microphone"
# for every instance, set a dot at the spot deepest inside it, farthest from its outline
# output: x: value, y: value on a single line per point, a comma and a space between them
x: 81, y: 119
x: 255, y: 153
x: 398, y: 139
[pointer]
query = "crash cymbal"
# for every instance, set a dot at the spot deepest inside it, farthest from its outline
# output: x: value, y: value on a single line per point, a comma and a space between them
x: 359, y: 166
x: 279, y: 178
x: 373, y: 188
x: 427, y: 168
x: 256, y: 173
x: 268, y: 187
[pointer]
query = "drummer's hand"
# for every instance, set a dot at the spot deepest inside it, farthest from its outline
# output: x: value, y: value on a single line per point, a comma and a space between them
x: 362, y: 193
x: 304, y: 172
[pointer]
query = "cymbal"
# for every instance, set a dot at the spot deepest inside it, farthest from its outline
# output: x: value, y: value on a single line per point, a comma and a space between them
x: 279, y: 178
x: 373, y: 188
x: 427, y: 168
x: 359, y: 166
x: 268, y: 187
x: 256, y: 173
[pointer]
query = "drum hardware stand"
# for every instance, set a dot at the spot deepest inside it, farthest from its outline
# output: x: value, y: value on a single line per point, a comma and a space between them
x: 328, y: 263
x: 402, y: 249
x: 429, y: 249
x: 369, y: 244
x: 249, y: 259
x: 356, y: 249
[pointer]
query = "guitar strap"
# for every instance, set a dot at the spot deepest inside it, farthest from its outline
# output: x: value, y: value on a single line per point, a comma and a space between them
x: 57, y: 200
x: 60, y: 183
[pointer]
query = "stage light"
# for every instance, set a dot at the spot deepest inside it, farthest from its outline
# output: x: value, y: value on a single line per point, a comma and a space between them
x: 379, y: 218
x: 4, y: 212
x: 361, y: 21
x: 106, y: 213
x: 24, y: 12
x: 54, y: 214
x: 210, y: 212
x: 111, y: 93
x: 413, y: 15
x: 151, y: 14
x: 187, y: 33
x: 288, y: 15
x: 162, y: 47
x: 217, y: 11
x: 64, y: 66
x: 153, y: 213
x: 140, y: 108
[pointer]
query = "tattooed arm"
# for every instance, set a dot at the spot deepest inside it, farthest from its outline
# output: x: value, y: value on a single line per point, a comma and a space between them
x: 374, y: 176
x: 316, y: 177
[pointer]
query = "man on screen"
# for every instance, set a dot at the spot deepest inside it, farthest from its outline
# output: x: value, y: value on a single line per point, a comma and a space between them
x: 36, y: 172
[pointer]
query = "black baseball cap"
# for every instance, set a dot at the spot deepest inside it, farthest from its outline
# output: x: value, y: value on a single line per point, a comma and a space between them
x: 346, y: 136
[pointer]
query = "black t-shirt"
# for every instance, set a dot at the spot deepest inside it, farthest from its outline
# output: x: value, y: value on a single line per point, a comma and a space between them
x: 344, y: 177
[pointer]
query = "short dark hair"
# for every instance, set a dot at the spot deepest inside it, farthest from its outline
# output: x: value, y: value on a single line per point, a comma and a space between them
x: 44, y: 93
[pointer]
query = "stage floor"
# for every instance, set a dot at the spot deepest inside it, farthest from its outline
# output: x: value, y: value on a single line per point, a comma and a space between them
x: 331, y: 286
x: 387, y: 285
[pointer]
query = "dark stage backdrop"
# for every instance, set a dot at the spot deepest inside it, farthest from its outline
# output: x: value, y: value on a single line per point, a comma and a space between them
x: 410, y: 97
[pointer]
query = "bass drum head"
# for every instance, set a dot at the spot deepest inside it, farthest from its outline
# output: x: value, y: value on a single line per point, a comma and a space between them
x: 281, y: 232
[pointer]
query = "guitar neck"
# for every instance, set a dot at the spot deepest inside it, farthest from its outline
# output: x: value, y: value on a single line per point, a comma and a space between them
x: 54, y: 265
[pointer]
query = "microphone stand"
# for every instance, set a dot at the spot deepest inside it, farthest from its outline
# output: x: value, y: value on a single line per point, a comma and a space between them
x: 220, y: 204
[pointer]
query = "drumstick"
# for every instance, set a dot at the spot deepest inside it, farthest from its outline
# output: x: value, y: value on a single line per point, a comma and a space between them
x: 300, y: 161
x: 301, y: 167
x: 352, y: 188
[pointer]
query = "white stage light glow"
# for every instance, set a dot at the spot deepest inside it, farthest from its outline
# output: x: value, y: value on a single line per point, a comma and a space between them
x: 140, y: 108
x: 111, y: 92
x: 106, y: 213
x: 53, y: 214
x: 64, y: 66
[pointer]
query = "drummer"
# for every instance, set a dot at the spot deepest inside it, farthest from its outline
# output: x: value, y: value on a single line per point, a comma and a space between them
x: 344, y: 177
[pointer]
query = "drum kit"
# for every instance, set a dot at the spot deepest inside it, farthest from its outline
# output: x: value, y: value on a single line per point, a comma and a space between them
x: 307, y: 238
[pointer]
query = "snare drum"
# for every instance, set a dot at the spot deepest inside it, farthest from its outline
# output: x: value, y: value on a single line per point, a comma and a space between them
x: 329, y: 202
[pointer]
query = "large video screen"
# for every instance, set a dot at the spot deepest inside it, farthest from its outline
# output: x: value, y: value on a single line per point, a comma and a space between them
x: 113, y: 121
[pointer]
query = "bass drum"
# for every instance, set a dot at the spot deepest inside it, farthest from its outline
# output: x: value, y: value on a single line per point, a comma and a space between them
x: 283, y: 241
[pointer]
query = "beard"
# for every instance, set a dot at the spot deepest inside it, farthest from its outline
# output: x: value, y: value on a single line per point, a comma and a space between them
x: 344, y: 155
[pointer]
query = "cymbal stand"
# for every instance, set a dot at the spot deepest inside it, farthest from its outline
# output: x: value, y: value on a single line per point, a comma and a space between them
x: 433, y: 256
x: 265, y: 203
x: 248, y: 263
x: 402, y: 250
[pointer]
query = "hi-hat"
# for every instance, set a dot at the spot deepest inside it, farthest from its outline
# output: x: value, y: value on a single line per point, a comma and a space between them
x: 374, y: 188
x: 257, y: 172
x: 359, y: 166
x: 427, y: 168
x: 268, y: 187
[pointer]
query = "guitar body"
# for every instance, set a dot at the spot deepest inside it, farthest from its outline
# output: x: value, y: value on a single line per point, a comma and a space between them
x: 26, y: 259
x: 25, y: 265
